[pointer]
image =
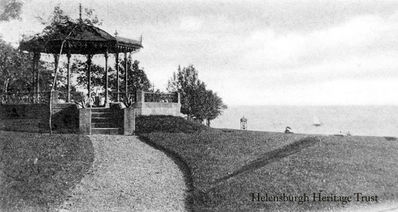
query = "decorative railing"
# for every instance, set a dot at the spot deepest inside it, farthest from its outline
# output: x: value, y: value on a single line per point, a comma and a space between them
x: 131, y: 97
x: 24, y: 98
x: 160, y: 97
x: 142, y: 96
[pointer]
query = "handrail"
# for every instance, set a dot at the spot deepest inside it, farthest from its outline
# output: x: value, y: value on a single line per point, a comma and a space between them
x: 160, y: 97
x: 125, y: 98
x: 24, y: 97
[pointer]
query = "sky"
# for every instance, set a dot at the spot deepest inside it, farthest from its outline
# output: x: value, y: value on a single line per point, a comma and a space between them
x: 307, y: 52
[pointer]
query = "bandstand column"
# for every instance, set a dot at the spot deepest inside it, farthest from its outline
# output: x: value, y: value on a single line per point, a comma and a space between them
x: 68, y: 78
x: 36, y: 58
x: 33, y: 74
x: 56, y: 56
x: 89, y: 79
x: 106, y: 80
x: 125, y: 74
x: 117, y: 76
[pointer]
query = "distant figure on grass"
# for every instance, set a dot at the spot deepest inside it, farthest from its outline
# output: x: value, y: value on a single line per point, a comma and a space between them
x: 288, y: 130
x: 243, y: 123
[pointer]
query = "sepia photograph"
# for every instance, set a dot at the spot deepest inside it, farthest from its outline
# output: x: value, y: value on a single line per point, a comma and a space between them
x: 201, y: 105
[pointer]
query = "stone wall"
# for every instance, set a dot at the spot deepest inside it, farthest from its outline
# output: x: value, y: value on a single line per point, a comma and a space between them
x: 35, y: 118
x: 65, y: 118
x: 85, y: 121
x: 118, y: 115
x: 145, y: 108
x: 24, y: 117
x: 129, y: 121
x: 158, y: 108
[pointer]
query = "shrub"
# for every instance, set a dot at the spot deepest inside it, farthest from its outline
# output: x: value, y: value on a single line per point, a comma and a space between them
x: 161, y: 123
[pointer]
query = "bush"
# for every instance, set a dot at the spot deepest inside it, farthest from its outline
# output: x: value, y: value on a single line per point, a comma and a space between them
x: 171, y: 124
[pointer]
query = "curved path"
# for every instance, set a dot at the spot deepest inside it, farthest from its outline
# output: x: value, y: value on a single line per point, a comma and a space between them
x: 128, y: 175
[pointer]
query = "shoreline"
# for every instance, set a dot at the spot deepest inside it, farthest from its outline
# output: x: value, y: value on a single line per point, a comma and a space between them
x: 310, y: 134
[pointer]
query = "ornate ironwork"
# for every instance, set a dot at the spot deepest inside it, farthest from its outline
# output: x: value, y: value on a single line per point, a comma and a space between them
x: 160, y: 97
x: 131, y: 97
x: 24, y: 98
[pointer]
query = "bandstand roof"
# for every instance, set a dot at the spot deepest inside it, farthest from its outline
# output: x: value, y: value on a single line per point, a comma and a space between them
x: 80, y: 38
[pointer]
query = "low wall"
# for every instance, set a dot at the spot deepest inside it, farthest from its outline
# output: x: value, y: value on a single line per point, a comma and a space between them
x: 85, y: 121
x: 158, y: 108
x: 34, y: 117
x: 65, y: 118
x: 118, y: 115
x: 129, y: 121
x: 24, y: 117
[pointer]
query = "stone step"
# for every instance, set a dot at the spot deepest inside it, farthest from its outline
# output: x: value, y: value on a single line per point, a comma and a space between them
x: 109, y: 131
x: 101, y: 119
x: 100, y: 110
x: 107, y: 124
x: 101, y: 114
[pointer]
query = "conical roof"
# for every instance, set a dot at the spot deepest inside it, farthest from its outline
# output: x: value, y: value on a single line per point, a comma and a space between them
x: 80, y: 38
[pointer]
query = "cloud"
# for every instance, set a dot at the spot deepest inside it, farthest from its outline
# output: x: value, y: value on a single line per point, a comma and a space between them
x: 190, y: 24
x: 272, y: 49
x: 362, y: 49
x: 256, y: 52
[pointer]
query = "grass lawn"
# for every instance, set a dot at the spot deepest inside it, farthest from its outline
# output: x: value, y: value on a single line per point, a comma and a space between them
x: 37, y: 170
x: 225, y: 167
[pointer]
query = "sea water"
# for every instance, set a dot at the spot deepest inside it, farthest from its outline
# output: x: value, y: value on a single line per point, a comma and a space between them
x: 357, y: 120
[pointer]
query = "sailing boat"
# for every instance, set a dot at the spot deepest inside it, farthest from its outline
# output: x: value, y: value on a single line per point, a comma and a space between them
x: 316, y: 122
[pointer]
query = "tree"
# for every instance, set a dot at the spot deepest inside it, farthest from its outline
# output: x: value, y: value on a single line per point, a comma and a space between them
x: 185, y: 82
x: 213, y: 106
x: 59, y: 17
x: 137, y: 78
x: 196, y: 101
x: 97, y: 74
x: 12, y: 77
x: 16, y: 73
x: 9, y: 57
x: 12, y: 10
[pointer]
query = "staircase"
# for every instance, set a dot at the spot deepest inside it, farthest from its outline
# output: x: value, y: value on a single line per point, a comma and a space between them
x: 103, y: 121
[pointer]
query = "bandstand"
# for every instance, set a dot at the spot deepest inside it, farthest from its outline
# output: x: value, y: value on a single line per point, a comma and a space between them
x: 30, y: 111
x: 83, y: 39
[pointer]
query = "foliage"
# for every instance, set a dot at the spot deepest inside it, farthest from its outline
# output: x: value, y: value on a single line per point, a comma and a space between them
x: 81, y: 100
x: 12, y: 10
x: 129, y: 101
x: 211, y: 106
x: 90, y: 17
x: 58, y: 17
x: 11, y: 77
x: 14, y: 78
x: 97, y: 74
x: 196, y: 101
x: 137, y: 78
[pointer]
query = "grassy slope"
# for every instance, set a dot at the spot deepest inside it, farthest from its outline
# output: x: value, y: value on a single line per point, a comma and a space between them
x: 338, y: 165
x: 37, y: 170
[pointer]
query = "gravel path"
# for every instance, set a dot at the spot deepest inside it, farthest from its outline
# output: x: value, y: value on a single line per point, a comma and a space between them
x: 128, y: 175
